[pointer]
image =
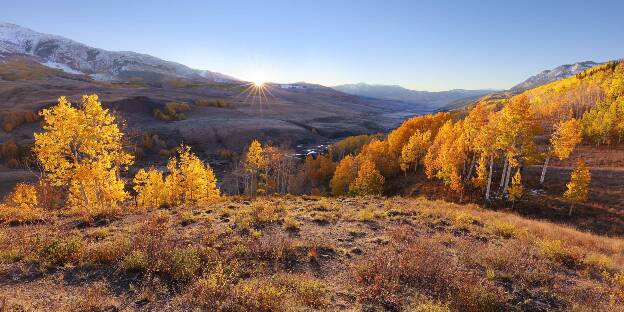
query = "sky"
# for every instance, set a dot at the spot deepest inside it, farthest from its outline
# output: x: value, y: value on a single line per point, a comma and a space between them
x: 421, y: 45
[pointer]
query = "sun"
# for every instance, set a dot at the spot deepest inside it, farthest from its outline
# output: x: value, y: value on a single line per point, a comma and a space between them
x: 258, y: 83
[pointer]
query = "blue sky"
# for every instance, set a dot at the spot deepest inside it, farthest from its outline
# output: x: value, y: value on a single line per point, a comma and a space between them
x: 422, y: 45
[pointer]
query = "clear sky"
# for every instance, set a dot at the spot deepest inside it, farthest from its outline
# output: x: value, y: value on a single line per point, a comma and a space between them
x: 422, y: 45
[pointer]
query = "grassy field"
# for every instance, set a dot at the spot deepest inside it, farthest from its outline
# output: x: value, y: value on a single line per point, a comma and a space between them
x: 297, y: 253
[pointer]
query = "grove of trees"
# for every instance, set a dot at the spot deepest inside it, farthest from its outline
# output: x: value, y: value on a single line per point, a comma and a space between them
x: 84, y: 158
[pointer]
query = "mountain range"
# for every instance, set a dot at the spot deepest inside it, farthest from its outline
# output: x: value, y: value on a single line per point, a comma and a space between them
x: 452, y: 99
x: 37, y: 68
x: 397, y: 93
x: 99, y: 64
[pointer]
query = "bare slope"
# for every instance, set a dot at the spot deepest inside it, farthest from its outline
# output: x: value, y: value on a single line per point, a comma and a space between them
x: 304, y: 254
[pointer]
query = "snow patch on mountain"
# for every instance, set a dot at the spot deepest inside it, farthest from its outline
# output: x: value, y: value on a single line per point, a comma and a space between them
x: 550, y: 75
x: 62, y: 67
x: 77, y: 57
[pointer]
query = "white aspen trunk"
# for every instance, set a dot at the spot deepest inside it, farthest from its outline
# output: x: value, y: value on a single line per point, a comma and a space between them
x: 507, y: 179
x: 502, y: 181
x: 489, y: 183
x: 472, y: 164
x: 544, y: 168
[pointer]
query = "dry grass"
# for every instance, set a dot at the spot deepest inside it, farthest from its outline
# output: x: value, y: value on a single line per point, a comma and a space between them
x: 306, y: 253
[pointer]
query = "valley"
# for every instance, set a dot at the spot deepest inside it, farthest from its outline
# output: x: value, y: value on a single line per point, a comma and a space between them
x: 134, y: 183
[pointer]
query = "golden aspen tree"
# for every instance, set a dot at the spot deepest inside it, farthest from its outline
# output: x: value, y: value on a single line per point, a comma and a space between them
x: 565, y: 137
x: 474, y: 124
x: 484, y: 143
x: 415, y: 150
x: 447, y: 155
x: 368, y: 181
x: 190, y: 180
x: 400, y: 136
x: 281, y: 167
x: 150, y: 188
x: 344, y: 175
x: 198, y: 180
x: 22, y: 205
x: 23, y: 196
x: 385, y: 160
x: 516, y: 190
x: 516, y: 130
x: 255, y: 165
x: 173, y: 183
x: 82, y: 148
x: 481, y: 178
x: 319, y: 171
x: 578, y: 187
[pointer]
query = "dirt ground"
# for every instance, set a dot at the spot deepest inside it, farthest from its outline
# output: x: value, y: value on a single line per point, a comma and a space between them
x: 345, y: 254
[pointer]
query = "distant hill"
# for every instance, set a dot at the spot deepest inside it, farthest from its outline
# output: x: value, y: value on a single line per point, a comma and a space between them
x: 77, y: 58
x: 551, y: 75
x: 398, y: 93
x: 543, y: 78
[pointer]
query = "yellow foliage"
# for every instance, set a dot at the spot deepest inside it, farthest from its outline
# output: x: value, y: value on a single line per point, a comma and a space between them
x: 344, y: 175
x: 150, y: 188
x: 415, y: 149
x: 198, y: 179
x: 566, y: 136
x: 21, y: 205
x: 82, y: 148
x: 516, y: 190
x: 447, y: 154
x: 578, y: 186
x: 368, y: 181
x: 24, y: 196
x: 401, y: 135
x: 190, y: 180
x: 319, y: 170
x: 255, y: 159
x: 516, y: 130
x: 386, y: 161
x: 480, y: 180
x: 256, y: 165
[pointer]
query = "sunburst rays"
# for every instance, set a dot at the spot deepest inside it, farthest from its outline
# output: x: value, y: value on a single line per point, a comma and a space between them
x: 257, y: 93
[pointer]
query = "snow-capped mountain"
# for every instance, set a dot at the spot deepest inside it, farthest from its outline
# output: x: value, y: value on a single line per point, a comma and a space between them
x: 548, y: 76
x: 398, y: 93
x: 74, y: 57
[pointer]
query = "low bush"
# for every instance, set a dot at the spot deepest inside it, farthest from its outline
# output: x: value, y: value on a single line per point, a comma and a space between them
x: 183, y: 264
x: 503, y: 229
x: 556, y: 251
x: 172, y: 111
x: 306, y: 290
x: 212, y: 102
x: 107, y: 251
x: 261, y: 295
x: 11, y: 120
x: 259, y: 214
x: 134, y: 262
x: 60, y: 251
x: 213, y: 291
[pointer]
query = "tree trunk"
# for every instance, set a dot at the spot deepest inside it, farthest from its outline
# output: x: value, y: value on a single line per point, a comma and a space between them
x: 507, y: 180
x: 502, y: 181
x: 84, y: 195
x: 544, y: 167
x: 472, y: 164
x: 571, y: 208
x: 489, y: 182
